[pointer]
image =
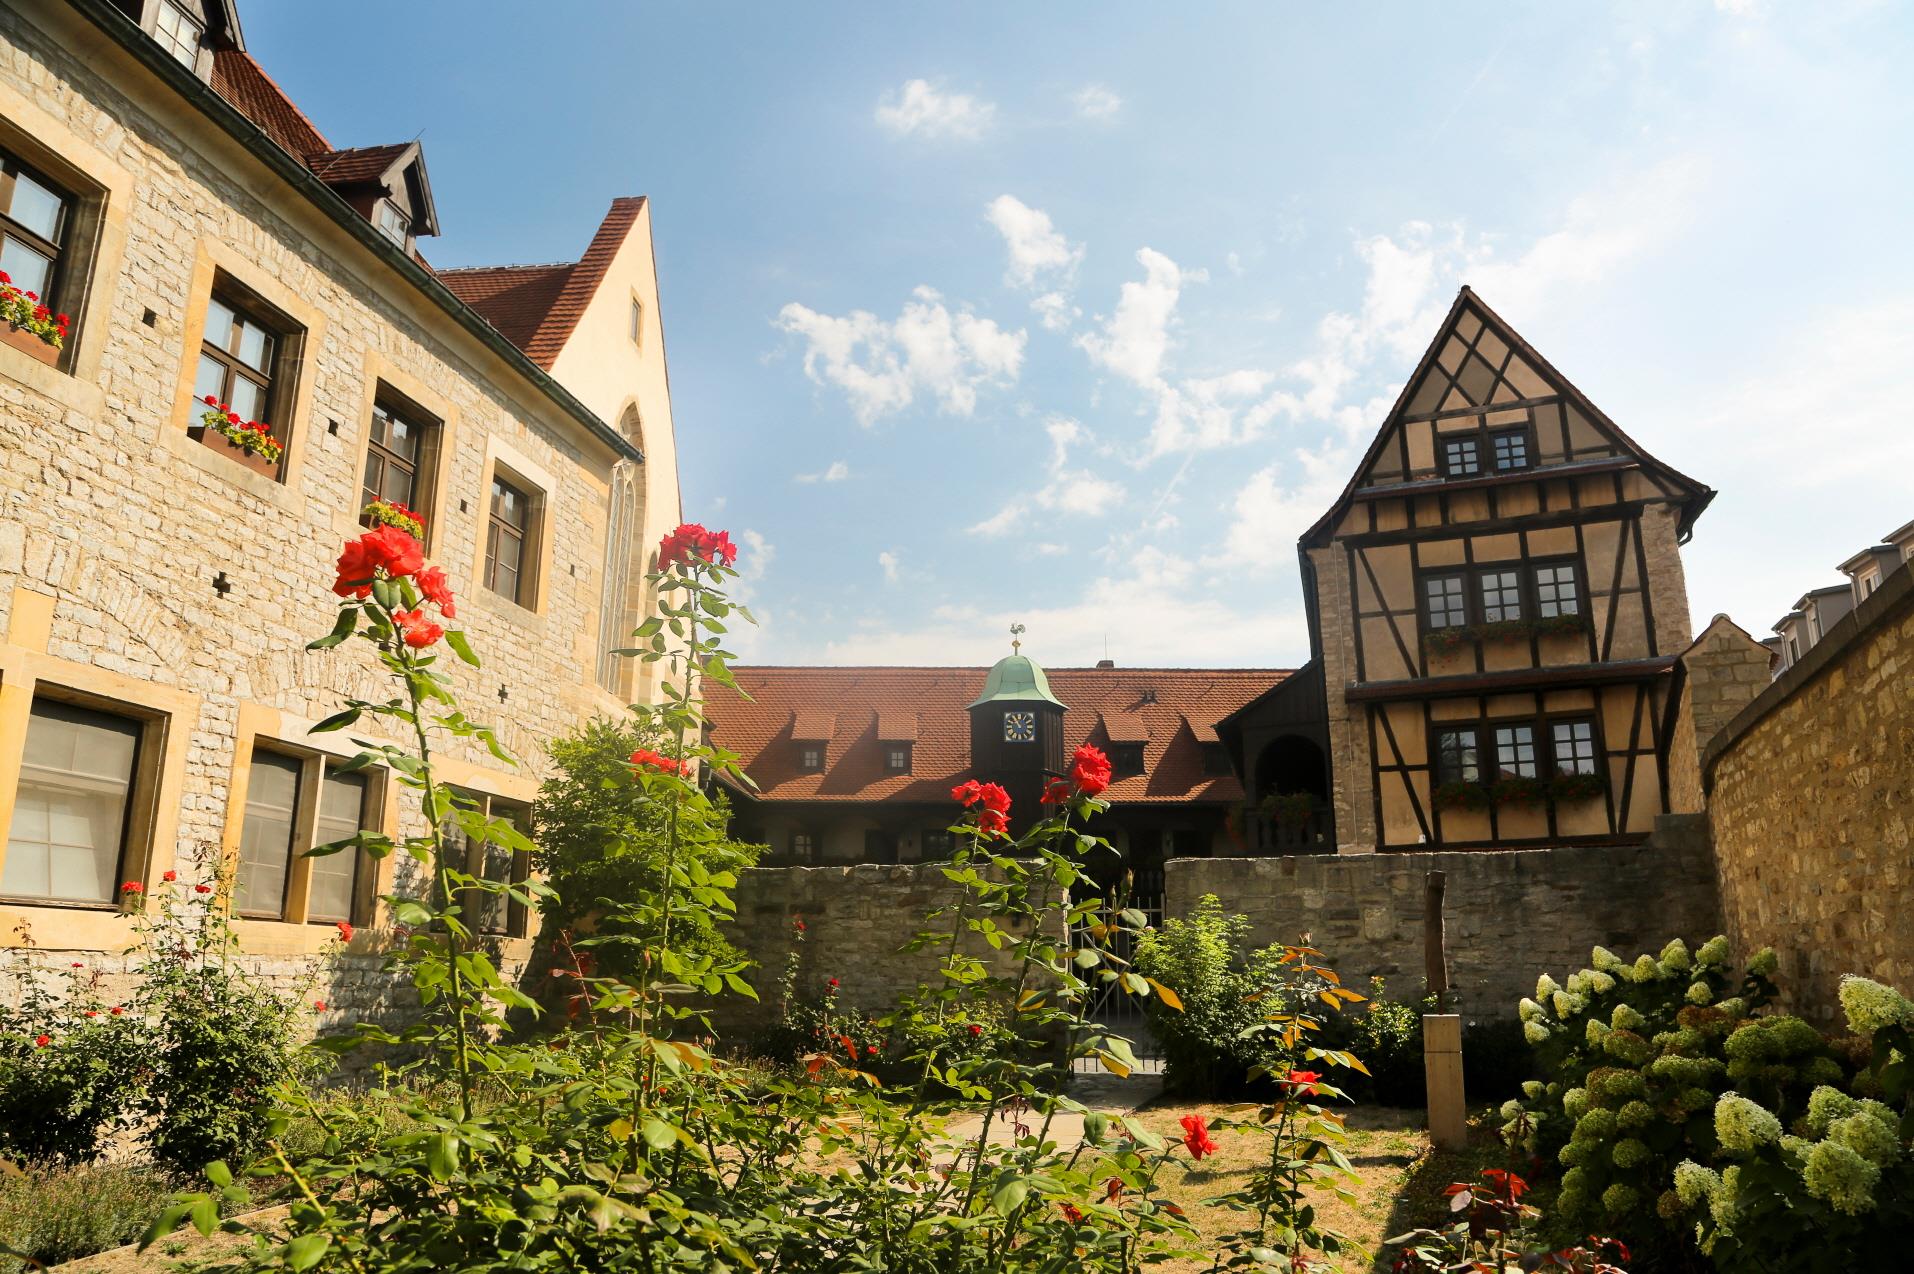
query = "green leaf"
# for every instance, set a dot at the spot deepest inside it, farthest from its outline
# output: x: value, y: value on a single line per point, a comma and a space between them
x: 205, y: 1214
x: 461, y: 647
x: 342, y: 629
x: 442, y: 1156
x: 658, y: 1134
x: 304, y: 1252
x: 413, y: 915
x: 337, y: 721
x: 1009, y: 1195
x: 218, y: 1173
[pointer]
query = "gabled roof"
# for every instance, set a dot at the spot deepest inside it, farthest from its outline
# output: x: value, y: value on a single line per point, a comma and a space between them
x: 1164, y: 704
x: 385, y: 168
x: 1433, y: 388
x: 243, y: 82
x: 538, y: 307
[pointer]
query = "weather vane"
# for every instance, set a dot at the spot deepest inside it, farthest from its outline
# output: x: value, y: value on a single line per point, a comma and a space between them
x: 1016, y: 631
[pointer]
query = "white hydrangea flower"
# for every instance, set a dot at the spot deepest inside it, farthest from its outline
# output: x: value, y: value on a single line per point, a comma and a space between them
x: 1742, y: 1125
x: 1734, y: 1006
x: 1836, y: 1173
x: 1636, y: 1114
x: 1619, y: 1199
x: 1765, y: 962
x: 1871, y: 1006
x: 1528, y: 1010
x: 1605, y: 960
x: 1545, y: 986
x: 1565, y: 1005
x: 1534, y: 1032
x: 1875, y: 1140
x: 1575, y: 1102
x: 1625, y: 1018
x: 1714, y: 951
x: 1700, y: 993
x: 1725, y: 1200
x: 1577, y: 984
x: 1534, y: 1089
x: 1694, y: 1183
x: 1825, y: 1105
x: 1596, y: 1029
x: 1628, y: 1152
x: 1643, y: 970
x: 1600, y: 983
x: 1510, y: 1109
x: 1675, y: 957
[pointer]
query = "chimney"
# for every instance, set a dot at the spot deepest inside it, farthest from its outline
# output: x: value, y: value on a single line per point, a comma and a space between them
x: 1106, y: 663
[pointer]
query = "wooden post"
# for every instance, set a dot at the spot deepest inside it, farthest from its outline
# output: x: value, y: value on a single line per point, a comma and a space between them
x: 1441, y: 1032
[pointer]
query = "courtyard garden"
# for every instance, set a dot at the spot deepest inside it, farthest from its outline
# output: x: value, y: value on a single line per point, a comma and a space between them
x: 1658, y: 1111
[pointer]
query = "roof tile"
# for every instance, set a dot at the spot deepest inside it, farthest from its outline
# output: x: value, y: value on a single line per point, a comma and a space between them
x: 513, y: 298
x: 244, y: 83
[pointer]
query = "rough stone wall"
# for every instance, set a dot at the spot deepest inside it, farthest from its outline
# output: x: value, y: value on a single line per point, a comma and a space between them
x: 857, y: 921
x: 1509, y: 915
x: 1721, y: 673
x: 1353, y: 791
x: 1811, y: 797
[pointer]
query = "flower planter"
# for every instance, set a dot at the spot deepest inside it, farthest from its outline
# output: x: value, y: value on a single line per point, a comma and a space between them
x: 30, y: 344
x: 224, y: 446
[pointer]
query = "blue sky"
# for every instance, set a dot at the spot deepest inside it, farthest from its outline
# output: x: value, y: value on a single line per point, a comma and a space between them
x: 1076, y: 316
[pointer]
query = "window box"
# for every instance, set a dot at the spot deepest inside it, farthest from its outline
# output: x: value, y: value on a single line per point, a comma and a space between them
x: 1289, y: 810
x: 29, y: 341
x: 1519, y: 790
x: 1567, y: 788
x: 392, y: 513
x: 1443, y: 641
x: 1460, y: 795
x: 246, y: 441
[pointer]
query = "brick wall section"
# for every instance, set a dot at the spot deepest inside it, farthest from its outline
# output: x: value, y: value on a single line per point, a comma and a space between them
x: 1811, y: 797
x: 1720, y: 674
x: 857, y: 920
x: 1509, y: 915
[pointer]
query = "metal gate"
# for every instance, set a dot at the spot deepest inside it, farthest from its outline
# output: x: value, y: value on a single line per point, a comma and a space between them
x: 1121, y: 1012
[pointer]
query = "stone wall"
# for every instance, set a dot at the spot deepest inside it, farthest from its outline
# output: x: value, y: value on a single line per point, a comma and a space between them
x: 1720, y: 673
x: 1811, y: 797
x: 1509, y: 915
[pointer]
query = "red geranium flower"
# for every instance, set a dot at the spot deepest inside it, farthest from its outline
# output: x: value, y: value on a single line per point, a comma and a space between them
x: 692, y: 543
x: 645, y: 758
x: 319, y: 1006
x: 345, y: 931
x: 975, y: 1030
x: 1196, y: 1135
x: 202, y: 889
x: 92, y: 1012
x: 132, y: 887
x: 1090, y: 770
x: 169, y: 876
x: 41, y: 1041
x: 431, y: 582
x: 384, y: 548
x: 116, y: 1010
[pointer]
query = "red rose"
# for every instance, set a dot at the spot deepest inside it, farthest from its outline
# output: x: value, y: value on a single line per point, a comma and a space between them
x: 1090, y: 770
x: 41, y: 1041
x: 384, y: 548
x: 345, y: 931
x: 992, y: 823
x: 169, y: 876
x: 202, y: 889
x: 132, y: 887
x: 1303, y: 1081
x: 92, y: 1012
x: 116, y: 1010
x: 645, y: 758
x: 432, y: 584
x: 418, y: 631
x: 1196, y: 1135
x: 975, y: 1030
x: 1056, y: 792
x: 832, y: 983
x: 319, y: 1006
x: 692, y: 543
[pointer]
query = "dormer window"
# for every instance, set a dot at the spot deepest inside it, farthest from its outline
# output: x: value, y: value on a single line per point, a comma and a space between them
x: 1126, y: 759
x: 897, y: 758
x: 391, y: 222
x: 178, y: 33
x: 1461, y: 458
x: 810, y: 757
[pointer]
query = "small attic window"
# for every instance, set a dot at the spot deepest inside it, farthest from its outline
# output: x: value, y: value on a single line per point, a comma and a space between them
x: 1126, y: 759
x: 177, y: 33
x: 810, y: 757
x: 1215, y: 760
x: 391, y: 222
x: 637, y: 323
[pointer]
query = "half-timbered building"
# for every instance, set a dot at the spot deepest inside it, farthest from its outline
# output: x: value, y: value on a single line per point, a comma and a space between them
x: 1496, y: 604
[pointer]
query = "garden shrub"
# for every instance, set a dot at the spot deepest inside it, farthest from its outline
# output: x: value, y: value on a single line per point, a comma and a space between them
x: 1387, y: 1035
x: 1827, y: 1190
x: 621, y: 1141
x: 71, y: 1067
x: 52, y: 1214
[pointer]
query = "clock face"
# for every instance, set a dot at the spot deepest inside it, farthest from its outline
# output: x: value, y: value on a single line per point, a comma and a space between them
x: 1020, y: 727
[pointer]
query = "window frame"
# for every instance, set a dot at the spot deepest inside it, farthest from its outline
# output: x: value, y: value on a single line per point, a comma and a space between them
x: 423, y: 467
x: 1528, y: 590
x: 56, y: 250
x: 637, y: 328
x: 1483, y: 439
x: 810, y: 756
x: 530, y: 542
x: 160, y: 10
x: 137, y: 837
x: 812, y: 847
x: 472, y: 863
x: 892, y: 751
x: 1448, y: 464
x: 1488, y: 761
x: 1127, y: 760
x: 1442, y: 770
x: 295, y: 899
x: 280, y: 381
x: 1497, y: 436
x: 381, y: 208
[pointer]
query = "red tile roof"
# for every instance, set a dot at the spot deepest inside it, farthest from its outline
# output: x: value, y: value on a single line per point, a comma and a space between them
x: 244, y: 83
x: 537, y: 307
x: 513, y: 298
x: 1187, y: 701
x: 359, y: 163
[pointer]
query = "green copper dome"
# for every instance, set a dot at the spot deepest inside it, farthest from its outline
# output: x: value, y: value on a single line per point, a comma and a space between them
x: 1017, y: 679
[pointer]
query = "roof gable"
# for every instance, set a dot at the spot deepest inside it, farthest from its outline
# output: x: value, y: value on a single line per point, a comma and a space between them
x: 1480, y: 370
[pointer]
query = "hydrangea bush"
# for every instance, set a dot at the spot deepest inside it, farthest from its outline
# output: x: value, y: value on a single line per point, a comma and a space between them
x: 1830, y: 1189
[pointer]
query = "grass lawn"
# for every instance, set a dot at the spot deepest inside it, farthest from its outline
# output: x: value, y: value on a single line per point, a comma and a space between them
x: 1400, y: 1186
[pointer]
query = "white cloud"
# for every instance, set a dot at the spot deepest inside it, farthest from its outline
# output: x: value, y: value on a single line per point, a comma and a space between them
x: 1135, y: 339
x: 837, y: 472
x: 888, y: 561
x: 1081, y: 494
x: 1055, y: 311
x: 1000, y: 523
x: 1278, y: 503
x: 755, y: 556
x: 881, y: 366
x: 1035, y: 245
x: 1094, y: 101
x: 921, y: 109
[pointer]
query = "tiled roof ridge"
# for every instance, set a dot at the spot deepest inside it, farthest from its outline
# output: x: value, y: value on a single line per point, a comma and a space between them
x: 545, y: 344
x: 529, y: 265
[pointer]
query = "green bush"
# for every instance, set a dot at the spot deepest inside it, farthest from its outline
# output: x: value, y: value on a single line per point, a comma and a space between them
x: 1387, y: 1035
x: 602, y: 844
x: 54, y: 1214
x: 70, y: 1070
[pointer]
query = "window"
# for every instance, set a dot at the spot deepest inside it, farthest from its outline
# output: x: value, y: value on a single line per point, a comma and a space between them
x: 810, y: 756
x: 69, y: 832
x: 897, y: 758
x: 500, y: 915
x: 284, y: 818
x: 1446, y: 606
x: 1511, y: 449
x: 1126, y: 759
x: 804, y: 846
x: 1555, y: 591
x: 939, y: 844
x: 1515, y: 752
x: 1870, y: 582
x: 1794, y: 650
x: 1456, y: 759
x: 1215, y: 760
x: 33, y: 223
x: 1573, y: 743
x: 236, y: 360
x: 1501, y: 596
x: 391, y: 222
x: 1460, y: 458
x: 637, y: 323
x: 399, y: 457
x: 177, y: 33
x: 507, y: 541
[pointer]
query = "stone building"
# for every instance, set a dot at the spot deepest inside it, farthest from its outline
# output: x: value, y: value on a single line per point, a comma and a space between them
x: 1496, y: 606
x: 157, y: 586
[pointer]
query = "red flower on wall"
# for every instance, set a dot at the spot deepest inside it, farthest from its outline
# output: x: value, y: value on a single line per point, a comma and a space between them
x: 169, y: 877
x: 202, y: 889
x: 1090, y: 770
x: 41, y: 1041
x: 132, y: 887
x: 992, y: 802
x: 691, y: 542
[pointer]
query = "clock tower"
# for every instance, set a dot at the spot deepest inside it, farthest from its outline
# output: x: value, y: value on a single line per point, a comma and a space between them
x: 1016, y: 731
